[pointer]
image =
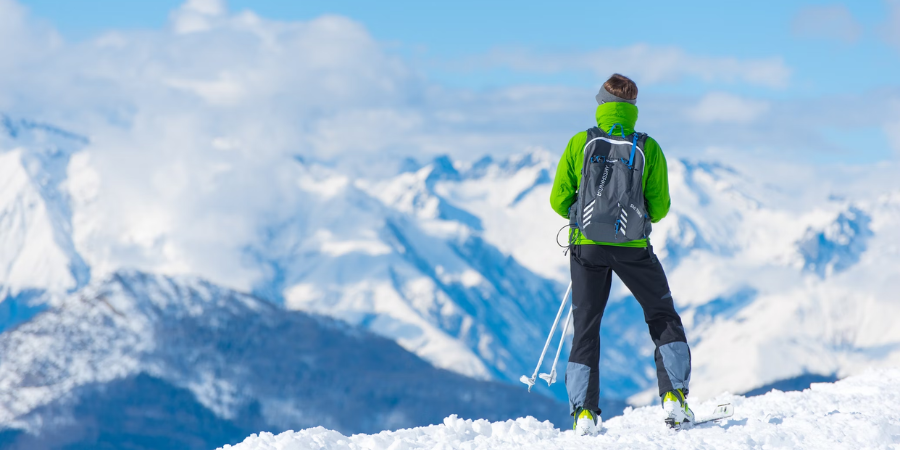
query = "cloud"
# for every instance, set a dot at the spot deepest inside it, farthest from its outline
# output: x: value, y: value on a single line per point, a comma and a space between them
x: 892, y: 127
x: 891, y: 29
x: 798, y: 132
x: 722, y: 107
x: 195, y: 128
x: 12, y: 17
x: 826, y: 22
x: 224, y: 90
x: 646, y: 64
x: 22, y: 39
x: 196, y: 15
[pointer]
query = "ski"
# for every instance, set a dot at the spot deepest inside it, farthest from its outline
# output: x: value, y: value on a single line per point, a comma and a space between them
x: 721, y: 412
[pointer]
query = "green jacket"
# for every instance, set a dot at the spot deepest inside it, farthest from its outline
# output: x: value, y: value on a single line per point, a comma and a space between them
x: 568, y: 172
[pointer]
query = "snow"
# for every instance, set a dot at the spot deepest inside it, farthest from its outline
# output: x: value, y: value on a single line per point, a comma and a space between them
x: 278, y: 180
x: 238, y: 361
x: 457, y: 261
x: 764, y: 281
x: 389, y: 255
x: 28, y: 255
x: 36, y: 246
x: 858, y: 412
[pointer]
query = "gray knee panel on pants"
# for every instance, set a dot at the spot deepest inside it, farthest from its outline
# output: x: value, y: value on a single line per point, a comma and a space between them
x: 676, y: 358
x: 578, y: 378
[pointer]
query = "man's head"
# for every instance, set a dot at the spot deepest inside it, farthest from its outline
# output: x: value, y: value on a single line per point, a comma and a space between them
x: 618, y: 88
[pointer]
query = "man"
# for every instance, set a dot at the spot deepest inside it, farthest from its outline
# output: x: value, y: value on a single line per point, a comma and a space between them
x: 625, y: 188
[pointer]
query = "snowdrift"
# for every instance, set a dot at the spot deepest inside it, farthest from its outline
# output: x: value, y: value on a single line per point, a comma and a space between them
x: 858, y: 412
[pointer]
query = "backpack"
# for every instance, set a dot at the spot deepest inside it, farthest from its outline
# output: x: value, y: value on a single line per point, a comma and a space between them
x: 610, y: 206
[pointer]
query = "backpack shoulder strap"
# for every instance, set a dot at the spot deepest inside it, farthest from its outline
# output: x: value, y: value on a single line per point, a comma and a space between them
x: 592, y: 135
x: 634, y: 141
x: 642, y: 144
x: 594, y: 132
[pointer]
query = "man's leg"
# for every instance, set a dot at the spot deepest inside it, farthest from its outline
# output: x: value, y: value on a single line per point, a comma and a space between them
x: 644, y: 276
x: 591, y: 277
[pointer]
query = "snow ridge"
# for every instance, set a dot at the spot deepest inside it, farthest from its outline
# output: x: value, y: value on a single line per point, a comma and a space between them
x: 456, y: 262
x: 248, y: 365
x: 37, y: 251
x: 858, y: 412
x: 398, y: 259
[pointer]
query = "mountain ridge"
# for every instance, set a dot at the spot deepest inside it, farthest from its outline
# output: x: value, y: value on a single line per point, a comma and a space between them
x: 243, y: 361
x: 456, y: 262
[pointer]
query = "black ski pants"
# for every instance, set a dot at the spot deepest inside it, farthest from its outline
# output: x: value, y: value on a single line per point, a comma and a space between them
x: 592, y: 267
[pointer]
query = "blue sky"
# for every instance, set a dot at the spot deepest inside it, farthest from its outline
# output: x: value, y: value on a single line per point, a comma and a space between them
x: 443, y: 33
x: 745, y: 66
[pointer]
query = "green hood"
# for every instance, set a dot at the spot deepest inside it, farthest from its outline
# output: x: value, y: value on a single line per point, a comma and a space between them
x: 611, y: 113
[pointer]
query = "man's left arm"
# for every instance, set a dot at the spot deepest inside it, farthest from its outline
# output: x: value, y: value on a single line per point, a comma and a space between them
x: 656, y: 181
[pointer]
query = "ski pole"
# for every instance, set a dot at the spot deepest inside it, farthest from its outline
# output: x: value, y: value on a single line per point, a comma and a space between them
x: 562, y: 307
x: 551, y: 377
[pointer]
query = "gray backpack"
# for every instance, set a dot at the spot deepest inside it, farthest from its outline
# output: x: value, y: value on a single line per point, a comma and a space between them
x: 610, y: 205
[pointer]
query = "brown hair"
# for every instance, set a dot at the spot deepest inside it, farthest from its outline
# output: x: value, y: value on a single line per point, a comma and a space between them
x: 621, y: 86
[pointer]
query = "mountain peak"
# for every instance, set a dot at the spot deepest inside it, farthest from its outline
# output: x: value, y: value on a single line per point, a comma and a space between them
x: 837, y: 246
x: 442, y: 168
x: 39, y: 135
x: 36, y: 251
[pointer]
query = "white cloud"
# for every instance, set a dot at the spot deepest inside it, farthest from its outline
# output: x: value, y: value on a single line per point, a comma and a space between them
x: 197, y: 15
x: 373, y: 130
x: 722, y: 107
x: 206, y: 7
x: 648, y: 64
x: 891, y: 28
x: 224, y: 90
x: 12, y: 17
x: 194, y: 128
x: 193, y: 134
x: 21, y: 39
x: 892, y: 127
x: 826, y: 22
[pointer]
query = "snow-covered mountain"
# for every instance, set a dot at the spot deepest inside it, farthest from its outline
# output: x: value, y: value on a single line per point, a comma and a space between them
x: 859, y: 412
x: 37, y: 252
x: 457, y: 263
x: 146, y: 361
x: 396, y: 259
x: 36, y: 247
x: 770, y: 288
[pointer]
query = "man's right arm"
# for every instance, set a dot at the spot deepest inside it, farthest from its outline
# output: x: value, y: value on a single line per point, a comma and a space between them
x: 565, y: 184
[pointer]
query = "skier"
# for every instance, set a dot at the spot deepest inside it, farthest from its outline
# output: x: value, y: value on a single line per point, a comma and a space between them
x: 616, y: 213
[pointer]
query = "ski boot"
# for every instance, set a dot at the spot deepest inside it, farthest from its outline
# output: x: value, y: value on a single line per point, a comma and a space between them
x: 678, y: 414
x: 587, y: 423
